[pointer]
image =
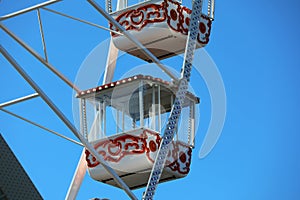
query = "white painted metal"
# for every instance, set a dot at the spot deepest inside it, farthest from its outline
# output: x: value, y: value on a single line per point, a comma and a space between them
x: 101, y: 120
x: 93, y: 135
x: 108, y: 6
x: 83, y: 121
x: 82, y: 21
x: 135, y: 175
x: 123, y: 119
x: 123, y: 91
x: 40, y: 58
x: 159, y: 108
x: 64, y: 119
x: 153, y: 121
x: 104, y: 118
x: 192, y: 124
x: 164, y: 38
x: 18, y: 100
x: 118, y: 121
x: 125, y: 165
x: 80, y: 171
x: 76, y: 181
x: 57, y: 73
x: 77, y: 178
x: 212, y: 9
x: 40, y: 126
x: 28, y: 9
x: 52, y: 106
x: 179, y: 100
x: 110, y: 63
x: 141, y: 104
x: 122, y: 4
x: 94, y: 131
x: 96, y: 126
x: 42, y: 34
x: 108, y: 76
x: 172, y: 103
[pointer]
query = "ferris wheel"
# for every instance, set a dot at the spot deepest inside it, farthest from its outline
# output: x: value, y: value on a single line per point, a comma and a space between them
x: 143, y: 151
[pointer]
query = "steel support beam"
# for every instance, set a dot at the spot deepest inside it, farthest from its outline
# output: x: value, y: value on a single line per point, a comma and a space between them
x: 64, y: 119
x: 18, y: 100
x: 77, y: 178
x: 42, y: 34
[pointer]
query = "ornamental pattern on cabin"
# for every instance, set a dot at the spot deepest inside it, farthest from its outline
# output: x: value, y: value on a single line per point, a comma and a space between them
x: 137, y: 19
x: 179, y: 158
x: 169, y: 11
x: 114, y: 150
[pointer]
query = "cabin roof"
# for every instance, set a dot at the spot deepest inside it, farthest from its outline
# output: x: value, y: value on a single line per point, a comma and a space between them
x: 120, y: 82
x: 92, y: 91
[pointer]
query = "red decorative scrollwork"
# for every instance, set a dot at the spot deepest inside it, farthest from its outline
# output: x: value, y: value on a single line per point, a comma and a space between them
x: 169, y: 11
x: 204, y: 25
x: 137, y: 19
x: 170, y: 8
x: 181, y: 158
x: 113, y: 150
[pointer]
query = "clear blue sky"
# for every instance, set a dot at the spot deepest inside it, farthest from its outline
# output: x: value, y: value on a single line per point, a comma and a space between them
x: 255, y: 45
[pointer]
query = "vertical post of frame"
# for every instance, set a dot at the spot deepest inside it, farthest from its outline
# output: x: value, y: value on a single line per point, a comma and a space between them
x: 153, y: 121
x: 141, y: 103
x: 83, y: 120
x: 192, y: 124
x: 117, y: 121
x: 98, y: 122
x: 104, y: 117
x: 159, y: 108
x: 101, y: 120
x: 123, y: 119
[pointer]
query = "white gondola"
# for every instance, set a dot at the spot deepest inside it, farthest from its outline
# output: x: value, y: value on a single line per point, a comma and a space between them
x: 137, y: 108
x: 130, y: 121
x: 160, y: 25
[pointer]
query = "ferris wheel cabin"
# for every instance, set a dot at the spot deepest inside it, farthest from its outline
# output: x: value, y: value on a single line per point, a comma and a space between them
x: 160, y: 25
x: 126, y: 130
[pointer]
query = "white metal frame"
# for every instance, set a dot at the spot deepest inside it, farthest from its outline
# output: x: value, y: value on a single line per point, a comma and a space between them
x: 64, y: 119
x: 108, y: 77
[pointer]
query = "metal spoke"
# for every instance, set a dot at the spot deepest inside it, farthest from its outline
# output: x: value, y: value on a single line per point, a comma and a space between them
x: 82, y: 21
x: 18, y: 100
x: 37, y: 56
x: 77, y: 178
x: 66, y: 121
x: 42, y: 34
x: 28, y: 9
x: 40, y: 126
